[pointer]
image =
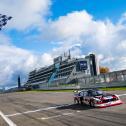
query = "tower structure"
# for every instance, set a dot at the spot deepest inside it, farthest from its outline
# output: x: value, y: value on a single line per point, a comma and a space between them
x: 94, y: 65
x: 19, y: 82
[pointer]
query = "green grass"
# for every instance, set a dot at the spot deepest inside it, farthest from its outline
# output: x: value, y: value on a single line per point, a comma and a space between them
x: 113, y: 88
x: 47, y: 91
x: 71, y: 90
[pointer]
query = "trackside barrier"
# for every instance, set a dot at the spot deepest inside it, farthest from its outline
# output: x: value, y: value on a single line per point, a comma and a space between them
x: 112, y: 79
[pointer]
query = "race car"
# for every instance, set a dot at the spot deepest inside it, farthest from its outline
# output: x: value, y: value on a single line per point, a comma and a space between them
x: 96, y: 98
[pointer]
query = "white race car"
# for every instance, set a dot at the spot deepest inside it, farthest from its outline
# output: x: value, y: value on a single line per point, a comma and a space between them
x: 96, y: 98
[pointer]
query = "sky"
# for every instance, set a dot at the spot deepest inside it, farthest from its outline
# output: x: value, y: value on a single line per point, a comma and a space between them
x: 43, y: 29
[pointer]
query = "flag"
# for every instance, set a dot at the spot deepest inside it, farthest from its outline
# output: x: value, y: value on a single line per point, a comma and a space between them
x: 3, y: 20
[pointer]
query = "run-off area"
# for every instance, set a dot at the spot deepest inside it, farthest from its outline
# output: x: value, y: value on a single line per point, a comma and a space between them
x: 56, y: 108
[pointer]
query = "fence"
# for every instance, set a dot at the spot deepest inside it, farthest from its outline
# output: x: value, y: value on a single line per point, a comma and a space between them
x: 112, y: 79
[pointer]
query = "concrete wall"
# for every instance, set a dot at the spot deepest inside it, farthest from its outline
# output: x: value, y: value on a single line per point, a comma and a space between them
x: 112, y: 79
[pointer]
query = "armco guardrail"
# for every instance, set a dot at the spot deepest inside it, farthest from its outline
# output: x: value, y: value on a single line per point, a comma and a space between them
x: 112, y: 79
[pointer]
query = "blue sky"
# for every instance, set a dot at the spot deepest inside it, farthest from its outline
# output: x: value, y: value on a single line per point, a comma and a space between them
x: 100, y: 9
x: 43, y: 29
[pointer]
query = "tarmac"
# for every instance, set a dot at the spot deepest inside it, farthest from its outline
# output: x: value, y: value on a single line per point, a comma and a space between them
x: 57, y: 109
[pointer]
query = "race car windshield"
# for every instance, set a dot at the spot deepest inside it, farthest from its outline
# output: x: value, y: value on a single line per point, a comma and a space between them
x: 97, y: 93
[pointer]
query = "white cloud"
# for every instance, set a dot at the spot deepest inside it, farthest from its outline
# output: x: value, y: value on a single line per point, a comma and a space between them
x: 15, y: 61
x: 115, y: 62
x: 12, y: 60
x: 46, y: 59
x: 25, y: 13
x: 98, y: 36
x: 72, y: 25
x: 4, y: 40
x: 108, y: 60
x: 122, y: 45
x: 79, y: 28
x: 77, y: 31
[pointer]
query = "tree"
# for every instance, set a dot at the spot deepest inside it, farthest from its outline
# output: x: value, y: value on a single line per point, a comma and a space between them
x: 104, y: 70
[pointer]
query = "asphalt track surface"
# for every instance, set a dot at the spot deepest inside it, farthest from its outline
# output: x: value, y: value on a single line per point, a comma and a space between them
x: 56, y: 109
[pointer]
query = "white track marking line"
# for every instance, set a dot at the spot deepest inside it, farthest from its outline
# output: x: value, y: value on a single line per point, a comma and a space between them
x: 121, y: 95
x: 51, y: 117
x: 38, y: 110
x: 67, y: 114
x: 78, y: 111
x: 45, y: 118
x: 42, y: 109
x: 7, y: 120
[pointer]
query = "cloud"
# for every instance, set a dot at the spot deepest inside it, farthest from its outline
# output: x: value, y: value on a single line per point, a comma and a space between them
x: 4, y: 40
x: 25, y: 13
x: 79, y: 26
x: 72, y: 25
x: 46, y: 59
x: 99, y: 36
x: 12, y: 61
x: 77, y: 31
x: 15, y: 61
x: 122, y: 45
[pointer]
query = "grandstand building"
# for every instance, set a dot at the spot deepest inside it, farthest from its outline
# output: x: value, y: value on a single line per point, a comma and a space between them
x: 64, y: 70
